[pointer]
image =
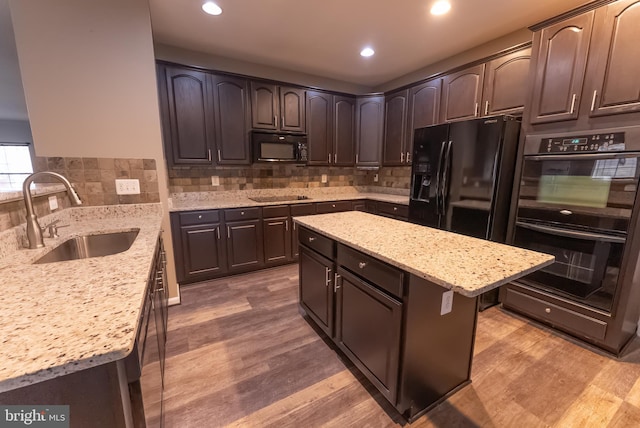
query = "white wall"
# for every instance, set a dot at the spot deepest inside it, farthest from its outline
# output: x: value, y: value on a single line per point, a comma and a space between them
x: 15, y: 131
x: 88, y: 71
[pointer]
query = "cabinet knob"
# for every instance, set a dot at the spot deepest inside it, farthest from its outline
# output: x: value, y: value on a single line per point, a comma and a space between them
x: 548, y: 310
x: 395, y: 208
x: 311, y: 239
x: 333, y: 205
x: 361, y: 265
x: 200, y: 216
x: 241, y: 212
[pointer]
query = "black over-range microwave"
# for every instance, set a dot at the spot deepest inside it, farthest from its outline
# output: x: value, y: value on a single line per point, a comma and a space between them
x: 271, y: 147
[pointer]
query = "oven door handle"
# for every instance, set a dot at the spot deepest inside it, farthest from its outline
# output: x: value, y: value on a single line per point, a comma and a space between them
x: 572, y: 233
x: 584, y: 156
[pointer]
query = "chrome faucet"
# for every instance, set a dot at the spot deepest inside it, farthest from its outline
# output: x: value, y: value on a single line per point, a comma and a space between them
x: 34, y: 231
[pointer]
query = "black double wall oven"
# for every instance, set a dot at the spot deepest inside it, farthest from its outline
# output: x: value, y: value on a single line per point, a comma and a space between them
x: 576, y: 201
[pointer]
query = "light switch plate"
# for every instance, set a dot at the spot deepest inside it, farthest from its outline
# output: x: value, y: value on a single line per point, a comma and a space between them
x: 53, y: 202
x: 375, y: 178
x: 215, y: 180
x: 447, y: 302
x: 324, y: 178
x: 127, y: 186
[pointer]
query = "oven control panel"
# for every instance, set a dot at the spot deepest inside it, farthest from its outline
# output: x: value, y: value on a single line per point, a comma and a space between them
x: 613, y: 141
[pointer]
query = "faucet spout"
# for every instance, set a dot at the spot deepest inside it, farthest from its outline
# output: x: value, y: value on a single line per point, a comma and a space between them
x: 34, y: 231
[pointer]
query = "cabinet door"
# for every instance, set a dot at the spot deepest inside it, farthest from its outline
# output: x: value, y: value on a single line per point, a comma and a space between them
x: 245, y: 245
x: 190, y: 116
x: 561, y: 57
x: 369, y: 130
x: 616, y: 59
x: 264, y: 106
x: 462, y: 94
x: 344, y: 113
x: 368, y: 329
x: 423, y: 110
x: 292, y: 109
x: 395, y: 126
x: 202, y: 254
x: 230, y: 96
x: 505, y: 84
x: 319, y: 127
x: 277, y: 240
x: 316, y: 288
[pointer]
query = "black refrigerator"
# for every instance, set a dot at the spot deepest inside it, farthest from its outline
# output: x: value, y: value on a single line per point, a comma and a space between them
x: 462, y: 177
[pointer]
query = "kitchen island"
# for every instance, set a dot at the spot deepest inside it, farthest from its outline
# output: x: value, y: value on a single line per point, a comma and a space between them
x: 400, y: 300
x: 68, y: 327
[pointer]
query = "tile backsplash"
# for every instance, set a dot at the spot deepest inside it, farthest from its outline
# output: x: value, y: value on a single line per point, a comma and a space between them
x: 282, y: 176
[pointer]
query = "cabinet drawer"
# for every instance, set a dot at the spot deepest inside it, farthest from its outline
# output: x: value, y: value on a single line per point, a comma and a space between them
x: 199, y: 217
x: 333, y: 207
x: 276, y: 211
x: 371, y: 269
x: 571, y: 321
x: 393, y: 209
x: 303, y: 209
x: 317, y: 242
x: 242, y: 214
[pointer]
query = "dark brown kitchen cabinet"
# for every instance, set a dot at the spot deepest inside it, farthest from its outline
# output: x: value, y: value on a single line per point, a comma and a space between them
x: 614, y: 63
x: 245, y: 244
x: 298, y: 210
x: 561, y: 53
x: 333, y: 207
x: 505, y: 83
x: 317, y: 288
x: 368, y: 330
x: 388, y: 209
x: 277, y: 228
x: 344, y: 113
x: 319, y: 127
x: 369, y: 130
x: 199, y: 245
x: 187, y: 117
x: 230, y: 100
x: 423, y: 109
x: 276, y: 107
x: 394, y: 149
x: 462, y: 94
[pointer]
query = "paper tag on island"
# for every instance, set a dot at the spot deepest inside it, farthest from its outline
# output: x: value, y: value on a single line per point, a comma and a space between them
x: 447, y: 302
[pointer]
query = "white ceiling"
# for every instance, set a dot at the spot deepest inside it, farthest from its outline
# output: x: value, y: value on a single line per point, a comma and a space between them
x: 324, y: 37
x: 321, y: 37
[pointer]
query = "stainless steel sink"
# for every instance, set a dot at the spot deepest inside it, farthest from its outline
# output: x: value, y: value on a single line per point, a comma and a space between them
x: 86, y: 246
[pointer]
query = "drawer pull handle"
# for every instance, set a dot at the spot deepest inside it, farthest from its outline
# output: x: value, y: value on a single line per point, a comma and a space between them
x: 311, y: 239
x: 361, y: 265
x: 336, y: 283
x: 548, y: 310
x: 327, y: 276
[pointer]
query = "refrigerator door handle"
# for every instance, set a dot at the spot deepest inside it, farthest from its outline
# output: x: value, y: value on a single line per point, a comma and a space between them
x: 439, y: 175
x: 445, y: 174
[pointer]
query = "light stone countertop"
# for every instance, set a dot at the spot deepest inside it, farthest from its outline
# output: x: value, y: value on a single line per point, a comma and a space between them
x: 59, y: 318
x: 469, y: 266
x: 188, y: 201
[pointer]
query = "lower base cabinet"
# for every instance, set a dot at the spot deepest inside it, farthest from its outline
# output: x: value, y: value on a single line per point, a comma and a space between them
x: 388, y: 323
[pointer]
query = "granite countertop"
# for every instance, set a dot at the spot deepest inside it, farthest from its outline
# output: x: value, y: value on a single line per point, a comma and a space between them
x: 469, y: 266
x: 239, y: 199
x: 59, y: 318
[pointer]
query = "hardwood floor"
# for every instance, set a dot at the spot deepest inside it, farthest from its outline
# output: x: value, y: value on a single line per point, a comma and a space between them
x: 239, y: 354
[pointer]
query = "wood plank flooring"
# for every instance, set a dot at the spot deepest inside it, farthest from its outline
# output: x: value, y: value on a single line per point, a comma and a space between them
x: 240, y: 354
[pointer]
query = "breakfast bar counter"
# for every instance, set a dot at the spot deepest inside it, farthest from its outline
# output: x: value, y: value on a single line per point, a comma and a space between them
x: 401, y: 300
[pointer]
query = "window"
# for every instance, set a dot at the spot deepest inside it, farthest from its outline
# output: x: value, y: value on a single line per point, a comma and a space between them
x: 15, y: 165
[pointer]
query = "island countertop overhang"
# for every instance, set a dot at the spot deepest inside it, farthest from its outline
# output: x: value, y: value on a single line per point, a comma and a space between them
x: 469, y: 266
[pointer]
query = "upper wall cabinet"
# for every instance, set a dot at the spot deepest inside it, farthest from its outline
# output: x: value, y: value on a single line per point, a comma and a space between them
x: 423, y: 107
x: 187, y: 116
x: 369, y: 130
x: 230, y: 95
x: 344, y: 135
x: 330, y: 129
x: 462, y: 94
x: 505, y: 83
x: 394, y: 149
x: 561, y: 56
x: 276, y: 107
x: 614, y: 60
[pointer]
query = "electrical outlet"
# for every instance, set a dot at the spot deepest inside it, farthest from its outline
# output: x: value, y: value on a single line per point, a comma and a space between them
x: 127, y: 186
x: 53, y: 202
x: 324, y: 178
x: 375, y: 178
x: 215, y: 180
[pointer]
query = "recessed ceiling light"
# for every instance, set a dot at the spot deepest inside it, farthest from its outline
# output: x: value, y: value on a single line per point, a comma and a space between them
x: 440, y: 7
x: 211, y: 8
x: 367, y: 52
